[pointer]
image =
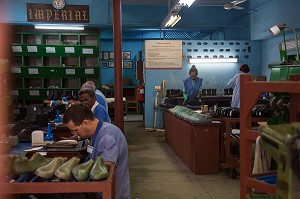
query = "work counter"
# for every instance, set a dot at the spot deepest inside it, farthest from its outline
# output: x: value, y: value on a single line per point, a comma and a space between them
x: 197, y: 145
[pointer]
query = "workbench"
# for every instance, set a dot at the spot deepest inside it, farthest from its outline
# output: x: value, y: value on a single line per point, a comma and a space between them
x: 197, y: 145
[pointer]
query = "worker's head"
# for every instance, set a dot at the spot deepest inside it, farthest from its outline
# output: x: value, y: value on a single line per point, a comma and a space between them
x: 87, y: 97
x: 193, y: 72
x: 244, y: 68
x: 78, y: 119
x: 89, y: 84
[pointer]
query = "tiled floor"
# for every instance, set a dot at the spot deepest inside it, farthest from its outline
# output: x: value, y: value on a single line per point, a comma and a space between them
x: 156, y: 171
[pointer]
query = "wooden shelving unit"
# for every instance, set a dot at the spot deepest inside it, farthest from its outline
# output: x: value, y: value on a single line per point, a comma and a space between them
x: 250, y: 92
x: 48, y: 61
x: 230, y: 161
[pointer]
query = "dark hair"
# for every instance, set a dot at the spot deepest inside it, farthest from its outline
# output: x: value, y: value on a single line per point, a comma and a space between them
x: 89, y: 91
x: 77, y: 113
x: 193, y: 69
x: 245, y: 68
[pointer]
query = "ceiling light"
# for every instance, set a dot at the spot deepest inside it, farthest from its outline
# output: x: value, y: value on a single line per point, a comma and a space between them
x: 172, y: 20
x: 212, y: 60
x: 187, y: 3
x: 275, y: 30
x: 59, y: 27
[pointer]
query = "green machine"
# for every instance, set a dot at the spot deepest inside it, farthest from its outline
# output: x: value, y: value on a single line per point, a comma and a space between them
x: 283, y: 144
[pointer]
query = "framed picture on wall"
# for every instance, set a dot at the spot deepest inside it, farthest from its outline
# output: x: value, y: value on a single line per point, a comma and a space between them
x: 111, y: 55
x: 110, y: 64
x: 105, y: 55
x: 126, y: 55
x: 127, y: 64
x: 104, y: 64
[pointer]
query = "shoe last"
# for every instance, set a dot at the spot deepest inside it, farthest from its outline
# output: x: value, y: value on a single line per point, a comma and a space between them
x: 65, y: 171
x: 81, y: 171
x: 99, y: 170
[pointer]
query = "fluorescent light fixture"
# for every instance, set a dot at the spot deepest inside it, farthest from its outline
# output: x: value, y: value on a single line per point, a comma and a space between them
x: 275, y: 30
x: 212, y: 60
x: 187, y: 3
x: 59, y: 27
x: 173, y: 20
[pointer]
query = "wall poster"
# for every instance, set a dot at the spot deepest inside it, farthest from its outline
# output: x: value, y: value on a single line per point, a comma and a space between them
x: 163, y: 54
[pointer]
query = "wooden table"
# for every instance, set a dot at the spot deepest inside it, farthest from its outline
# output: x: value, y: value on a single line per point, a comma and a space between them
x: 106, y: 187
x: 197, y: 145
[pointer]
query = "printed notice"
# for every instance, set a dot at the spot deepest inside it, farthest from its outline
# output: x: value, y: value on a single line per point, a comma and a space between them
x: 33, y: 71
x: 69, y: 50
x: 14, y: 93
x: 34, y: 92
x: 16, y: 111
x: 32, y: 49
x: 163, y: 54
x: 50, y: 49
x: 70, y: 71
x: 89, y: 71
x: 87, y: 51
x: 17, y: 49
x: 15, y: 70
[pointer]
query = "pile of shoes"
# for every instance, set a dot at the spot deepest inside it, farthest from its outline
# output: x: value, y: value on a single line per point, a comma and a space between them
x: 21, y: 168
x: 58, y: 95
x: 37, y: 118
x: 190, y: 115
x: 260, y: 111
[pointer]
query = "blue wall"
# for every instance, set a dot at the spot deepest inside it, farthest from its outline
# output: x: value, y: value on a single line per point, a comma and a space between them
x: 214, y: 75
x: 267, y: 13
x: 17, y: 12
x: 142, y: 23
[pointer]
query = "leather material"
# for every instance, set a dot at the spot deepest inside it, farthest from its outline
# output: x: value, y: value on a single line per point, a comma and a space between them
x: 65, y: 170
x: 81, y: 171
x: 99, y: 170
x: 23, y: 165
x: 36, y: 161
x: 48, y: 170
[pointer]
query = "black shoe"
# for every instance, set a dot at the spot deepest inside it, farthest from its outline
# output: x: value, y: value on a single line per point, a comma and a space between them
x: 50, y: 96
x: 56, y: 95
x: 75, y: 95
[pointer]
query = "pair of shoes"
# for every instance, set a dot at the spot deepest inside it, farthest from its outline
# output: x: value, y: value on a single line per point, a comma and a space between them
x: 23, y: 165
x: 47, y: 171
x: 93, y: 170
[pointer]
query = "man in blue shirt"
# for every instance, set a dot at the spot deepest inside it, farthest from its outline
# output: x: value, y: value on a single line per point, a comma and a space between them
x: 192, y: 86
x: 107, y: 140
x: 235, y: 84
x: 100, y: 98
x: 87, y: 97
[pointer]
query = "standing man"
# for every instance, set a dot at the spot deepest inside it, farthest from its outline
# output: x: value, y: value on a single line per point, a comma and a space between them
x: 192, y: 86
x: 235, y: 84
x: 107, y: 140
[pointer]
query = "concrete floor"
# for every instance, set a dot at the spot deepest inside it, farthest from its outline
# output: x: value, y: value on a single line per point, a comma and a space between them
x: 156, y: 171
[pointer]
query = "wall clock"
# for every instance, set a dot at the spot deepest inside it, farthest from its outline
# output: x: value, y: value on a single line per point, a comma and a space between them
x: 58, y: 4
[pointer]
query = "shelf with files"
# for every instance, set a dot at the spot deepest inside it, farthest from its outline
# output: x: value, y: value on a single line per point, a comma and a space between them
x: 45, y: 61
x: 250, y: 92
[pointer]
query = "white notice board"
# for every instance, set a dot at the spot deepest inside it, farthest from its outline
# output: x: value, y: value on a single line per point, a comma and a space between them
x: 163, y: 54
